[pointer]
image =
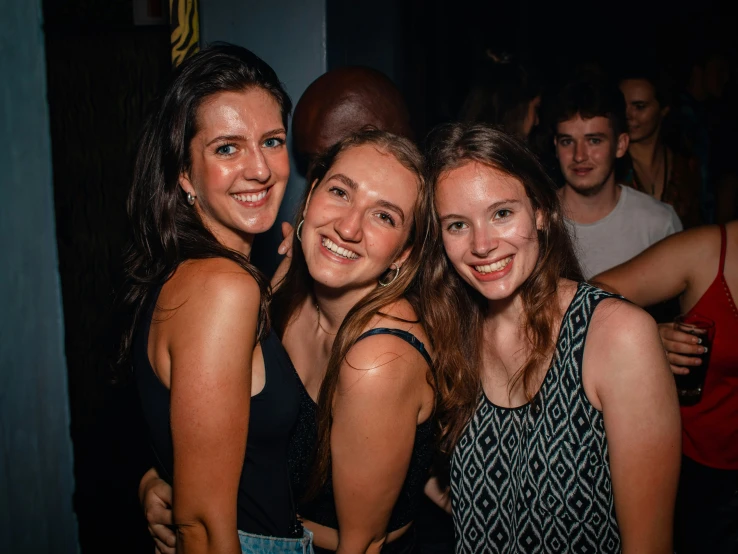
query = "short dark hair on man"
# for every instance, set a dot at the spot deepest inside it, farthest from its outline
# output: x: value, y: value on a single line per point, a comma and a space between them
x: 591, y: 95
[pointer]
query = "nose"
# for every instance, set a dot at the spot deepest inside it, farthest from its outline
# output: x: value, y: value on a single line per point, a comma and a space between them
x: 483, y: 242
x: 629, y: 112
x: 348, y: 226
x: 256, y: 167
x: 580, y: 151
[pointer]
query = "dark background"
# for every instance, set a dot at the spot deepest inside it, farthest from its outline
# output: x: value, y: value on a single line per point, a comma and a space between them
x: 103, y: 72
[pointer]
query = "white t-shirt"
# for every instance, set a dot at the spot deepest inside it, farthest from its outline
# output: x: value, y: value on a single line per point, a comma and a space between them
x: 637, y: 221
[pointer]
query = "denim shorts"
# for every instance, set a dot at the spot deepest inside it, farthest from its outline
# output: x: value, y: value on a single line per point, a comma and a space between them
x: 262, y: 544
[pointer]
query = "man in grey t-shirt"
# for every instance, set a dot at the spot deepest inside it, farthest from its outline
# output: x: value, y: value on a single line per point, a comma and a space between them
x: 609, y: 223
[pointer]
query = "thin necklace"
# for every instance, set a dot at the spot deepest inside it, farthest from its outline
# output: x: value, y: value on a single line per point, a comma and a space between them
x: 319, y: 325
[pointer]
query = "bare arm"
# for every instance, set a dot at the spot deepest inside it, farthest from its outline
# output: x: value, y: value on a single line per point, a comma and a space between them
x: 375, y: 416
x: 625, y: 362
x: 440, y: 497
x: 213, y: 338
x: 660, y: 272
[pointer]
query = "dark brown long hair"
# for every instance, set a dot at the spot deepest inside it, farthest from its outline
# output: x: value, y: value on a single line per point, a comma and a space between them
x: 166, y: 230
x: 297, y: 284
x: 458, y: 309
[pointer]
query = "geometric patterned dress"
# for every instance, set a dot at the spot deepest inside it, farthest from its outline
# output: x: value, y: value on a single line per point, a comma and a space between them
x: 536, y: 479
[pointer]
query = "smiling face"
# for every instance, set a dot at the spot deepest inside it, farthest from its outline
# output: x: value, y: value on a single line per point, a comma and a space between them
x: 489, y: 228
x: 587, y: 150
x: 358, y: 219
x: 239, y: 166
x: 643, y: 111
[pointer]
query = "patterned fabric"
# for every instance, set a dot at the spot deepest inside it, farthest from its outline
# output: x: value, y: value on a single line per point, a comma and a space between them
x: 185, y: 27
x: 536, y: 478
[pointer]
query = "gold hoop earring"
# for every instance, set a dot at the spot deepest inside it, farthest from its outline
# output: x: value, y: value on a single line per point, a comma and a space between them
x: 394, y: 277
x: 299, y: 228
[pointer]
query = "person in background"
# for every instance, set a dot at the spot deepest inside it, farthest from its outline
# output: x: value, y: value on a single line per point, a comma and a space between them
x: 341, y: 102
x: 700, y: 267
x: 504, y: 94
x: 655, y: 167
x: 609, y: 223
x: 562, y: 420
x: 210, y: 174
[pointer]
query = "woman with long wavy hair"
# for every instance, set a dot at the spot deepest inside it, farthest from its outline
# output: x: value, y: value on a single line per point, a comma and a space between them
x: 217, y: 390
x: 562, y: 422
x: 347, y: 314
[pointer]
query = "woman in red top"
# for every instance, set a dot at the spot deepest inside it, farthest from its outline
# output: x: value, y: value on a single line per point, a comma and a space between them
x: 701, y: 267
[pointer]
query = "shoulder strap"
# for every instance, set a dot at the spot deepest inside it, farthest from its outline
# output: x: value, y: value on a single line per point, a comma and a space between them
x: 723, y: 245
x: 409, y: 338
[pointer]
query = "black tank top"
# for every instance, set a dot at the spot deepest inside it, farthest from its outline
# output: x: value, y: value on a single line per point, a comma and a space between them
x: 265, y: 505
x: 322, y: 508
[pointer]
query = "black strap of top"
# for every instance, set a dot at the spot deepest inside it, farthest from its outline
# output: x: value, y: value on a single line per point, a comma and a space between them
x: 409, y: 338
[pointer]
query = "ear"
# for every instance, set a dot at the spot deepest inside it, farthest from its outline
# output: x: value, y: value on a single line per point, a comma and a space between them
x: 402, y: 258
x: 665, y: 110
x: 185, y: 184
x: 540, y: 219
x: 622, y: 145
x: 556, y: 144
x: 310, y: 195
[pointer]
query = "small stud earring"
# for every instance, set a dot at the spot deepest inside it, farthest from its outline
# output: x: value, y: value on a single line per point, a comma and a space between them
x: 191, y: 198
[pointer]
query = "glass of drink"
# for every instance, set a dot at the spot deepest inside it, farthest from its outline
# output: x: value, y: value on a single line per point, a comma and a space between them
x: 690, y: 386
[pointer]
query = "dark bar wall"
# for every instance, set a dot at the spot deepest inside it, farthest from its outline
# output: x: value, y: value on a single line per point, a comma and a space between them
x: 36, y: 479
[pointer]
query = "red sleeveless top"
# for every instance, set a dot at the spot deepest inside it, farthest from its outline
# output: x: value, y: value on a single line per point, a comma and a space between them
x: 710, y: 428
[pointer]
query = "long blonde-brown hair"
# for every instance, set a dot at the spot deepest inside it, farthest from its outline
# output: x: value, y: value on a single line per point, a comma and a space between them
x: 457, y: 308
x: 297, y: 284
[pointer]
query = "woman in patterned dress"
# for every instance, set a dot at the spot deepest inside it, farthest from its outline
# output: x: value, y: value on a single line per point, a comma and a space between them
x: 562, y: 423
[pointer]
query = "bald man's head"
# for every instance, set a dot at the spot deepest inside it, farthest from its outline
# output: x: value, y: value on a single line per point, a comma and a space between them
x: 343, y: 101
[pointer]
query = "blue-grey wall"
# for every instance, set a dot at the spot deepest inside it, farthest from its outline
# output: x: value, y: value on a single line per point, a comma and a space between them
x: 36, y: 481
x: 291, y: 37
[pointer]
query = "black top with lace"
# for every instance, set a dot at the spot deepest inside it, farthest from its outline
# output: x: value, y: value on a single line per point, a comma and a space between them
x: 322, y: 509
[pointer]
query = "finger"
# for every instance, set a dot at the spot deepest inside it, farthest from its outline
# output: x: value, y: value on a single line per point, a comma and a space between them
x: 163, y: 490
x: 684, y: 361
x: 163, y: 534
x: 286, y: 229
x: 684, y: 349
x: 681, y: 336
x: 163, y: 548
x: 679, y: 370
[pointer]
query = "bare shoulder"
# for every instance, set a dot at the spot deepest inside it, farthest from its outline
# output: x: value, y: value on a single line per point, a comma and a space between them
x: 212, y: 286
x: 386, y: 356
x: 623, y: 354
x: 618, y: 322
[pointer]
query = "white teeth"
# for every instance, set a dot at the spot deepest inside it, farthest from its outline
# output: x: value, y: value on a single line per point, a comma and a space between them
x: 344, y: 253
x: 250, y: 197
x: 497, y: 266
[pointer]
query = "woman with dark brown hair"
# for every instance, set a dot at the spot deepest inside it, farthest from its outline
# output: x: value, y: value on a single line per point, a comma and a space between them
x: 346, y: 313
x: 653, y: 165
x: 562, y: 422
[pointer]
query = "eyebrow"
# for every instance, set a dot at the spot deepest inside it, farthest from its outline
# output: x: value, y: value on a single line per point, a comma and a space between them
x: 234, y: 138
x: 587, y: 135
x: 491, y: 208
x: 353, y: 185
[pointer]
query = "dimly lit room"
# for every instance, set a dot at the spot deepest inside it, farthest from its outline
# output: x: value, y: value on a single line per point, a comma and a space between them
x: 322, y: 273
